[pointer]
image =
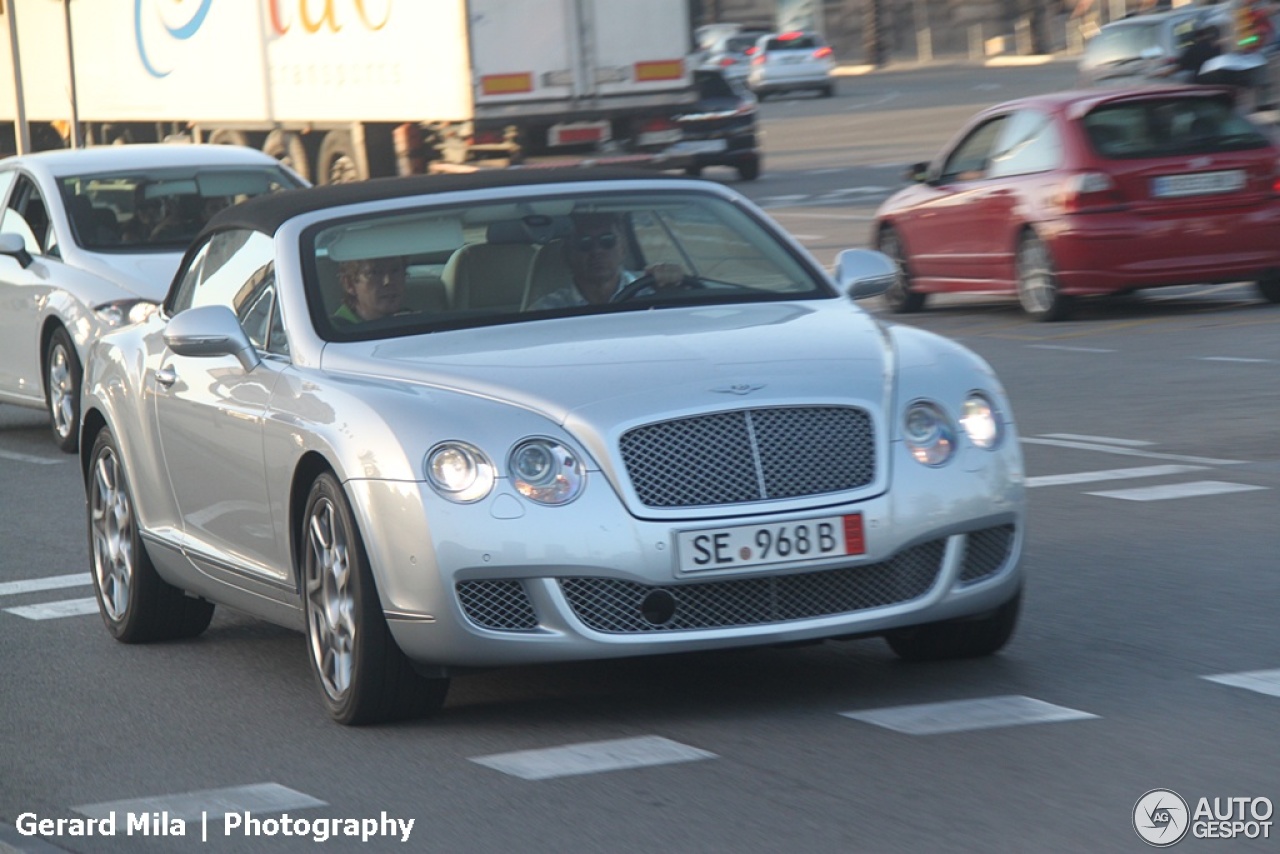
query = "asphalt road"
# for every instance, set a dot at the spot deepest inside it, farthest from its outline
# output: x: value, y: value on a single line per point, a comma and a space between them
x: 1149, y: 427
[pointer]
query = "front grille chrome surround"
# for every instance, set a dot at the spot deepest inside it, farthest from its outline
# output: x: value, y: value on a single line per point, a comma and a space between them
x: 744, y: 455
x: 618, y: 607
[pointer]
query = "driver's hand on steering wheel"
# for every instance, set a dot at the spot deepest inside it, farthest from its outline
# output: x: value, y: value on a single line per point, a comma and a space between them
x: 665, y: 275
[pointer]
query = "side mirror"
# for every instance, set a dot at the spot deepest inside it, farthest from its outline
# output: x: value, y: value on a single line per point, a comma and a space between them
x: 210, y: 330
x: 16, y: 248
x: 917, y: 173
x: 863, y: 273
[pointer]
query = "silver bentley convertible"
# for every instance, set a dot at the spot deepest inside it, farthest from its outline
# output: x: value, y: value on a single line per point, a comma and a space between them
x: 449, y: 422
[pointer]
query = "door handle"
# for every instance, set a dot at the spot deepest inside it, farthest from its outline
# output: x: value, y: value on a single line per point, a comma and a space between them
x: 166, y: 376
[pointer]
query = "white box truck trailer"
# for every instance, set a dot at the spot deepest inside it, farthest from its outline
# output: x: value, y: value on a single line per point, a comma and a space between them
x: 351, y: 89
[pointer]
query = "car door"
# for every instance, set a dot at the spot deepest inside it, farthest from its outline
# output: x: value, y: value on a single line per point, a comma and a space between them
x: 1027, y: 148
x: 939, y: 228
x: 23, y: 290
x: 210, y: 412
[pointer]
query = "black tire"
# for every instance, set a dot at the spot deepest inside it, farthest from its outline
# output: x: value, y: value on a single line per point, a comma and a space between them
x: 289, y: 149
x: 136, y: 604
x: 827, y: 91
x: 226, y: 136
x: 972, y: 637
x: 1038, y: 289
x: 1269, y: 287
x: 62, y: 377
x: 364, y: 677
x: 749, y: 170
x: 900, y: 298
x: 338, y: 161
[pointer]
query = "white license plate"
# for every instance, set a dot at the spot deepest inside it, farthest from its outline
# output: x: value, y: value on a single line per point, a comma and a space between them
x: 1197, y: 184
x: 699, y: 146
x: 746, y: 546
x: 659, y: 137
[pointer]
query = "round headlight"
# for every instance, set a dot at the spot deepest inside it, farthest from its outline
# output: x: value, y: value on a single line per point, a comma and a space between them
x: 928, y: 433
x: 547, y: 472
x: 981, y: 422
x: 459, y: 472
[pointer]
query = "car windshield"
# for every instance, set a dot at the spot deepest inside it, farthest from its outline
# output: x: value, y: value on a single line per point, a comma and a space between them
x: 417, y: 271
x: 1170, y: 126
x: 159, y: 209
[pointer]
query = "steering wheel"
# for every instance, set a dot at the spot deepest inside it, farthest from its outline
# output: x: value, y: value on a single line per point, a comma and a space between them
x: 648, y: 282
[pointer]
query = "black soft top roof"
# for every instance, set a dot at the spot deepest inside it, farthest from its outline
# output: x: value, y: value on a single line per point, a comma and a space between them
x: 268, y: 212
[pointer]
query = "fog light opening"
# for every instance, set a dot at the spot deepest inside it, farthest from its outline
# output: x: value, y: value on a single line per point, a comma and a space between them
x: 658, y: 607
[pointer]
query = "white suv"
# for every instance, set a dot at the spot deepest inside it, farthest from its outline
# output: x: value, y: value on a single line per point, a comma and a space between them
x: 784, y: 62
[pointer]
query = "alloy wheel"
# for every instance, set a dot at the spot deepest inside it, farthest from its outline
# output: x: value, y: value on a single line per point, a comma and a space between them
x: 331, y: 621
x: 111, y: 521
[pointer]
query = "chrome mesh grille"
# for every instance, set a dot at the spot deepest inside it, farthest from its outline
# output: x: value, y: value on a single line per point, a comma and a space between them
x: 500, y: 604
x: 985, y: 552
x: 750, y: 455
x: 617, y: 607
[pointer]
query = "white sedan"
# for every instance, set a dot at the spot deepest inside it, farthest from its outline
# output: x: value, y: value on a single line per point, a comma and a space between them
x: 446, y: 422
x: 90, y: 239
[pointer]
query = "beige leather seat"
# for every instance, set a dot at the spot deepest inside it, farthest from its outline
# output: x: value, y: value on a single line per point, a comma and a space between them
x: 488, y: 275
x: 549, y: 272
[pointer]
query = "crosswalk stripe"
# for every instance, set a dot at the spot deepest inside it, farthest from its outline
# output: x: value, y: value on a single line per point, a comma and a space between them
x: 1109, y: 474
x: 1129, y: 452
x: 1262, y: 681
x: 54, y: 610
x: 592, y: 757
x: 964, y: 715
x: 1178, y: 490
x: 53, y: 582
x: 189, y: 806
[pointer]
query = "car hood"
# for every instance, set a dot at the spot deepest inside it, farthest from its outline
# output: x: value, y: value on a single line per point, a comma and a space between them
x: 145, y: 274
x: 613, y: 371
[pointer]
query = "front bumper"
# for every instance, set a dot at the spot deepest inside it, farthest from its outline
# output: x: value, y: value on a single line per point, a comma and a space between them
x: 502, y: 582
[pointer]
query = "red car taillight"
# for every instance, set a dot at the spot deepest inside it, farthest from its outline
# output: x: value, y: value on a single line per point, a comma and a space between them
x: 822, y: 52
x: 758, y: 59
x: 726, y: 61
x: 1091, y: 192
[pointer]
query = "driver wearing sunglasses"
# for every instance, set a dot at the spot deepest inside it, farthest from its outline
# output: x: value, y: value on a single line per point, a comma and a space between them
x: 594, y: 254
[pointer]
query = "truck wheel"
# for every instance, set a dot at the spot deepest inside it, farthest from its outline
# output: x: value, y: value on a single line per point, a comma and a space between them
x: 339, y: 162
x: 288, y: 148
x: 226, y: 136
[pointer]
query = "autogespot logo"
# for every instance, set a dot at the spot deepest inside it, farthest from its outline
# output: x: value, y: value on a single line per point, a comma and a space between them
x: 1160, y: 817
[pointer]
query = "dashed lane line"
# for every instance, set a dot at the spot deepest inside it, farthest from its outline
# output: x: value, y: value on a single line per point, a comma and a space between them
x: 53, y: 582
x: 56, y: 610
x: 966, y: 715
x: 1109, y: 474
x: 592, y: 757
x: 1178, y: 490
x: 1131, y: 452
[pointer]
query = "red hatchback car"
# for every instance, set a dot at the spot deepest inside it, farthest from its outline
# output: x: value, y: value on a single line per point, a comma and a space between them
x: 1091, y: 192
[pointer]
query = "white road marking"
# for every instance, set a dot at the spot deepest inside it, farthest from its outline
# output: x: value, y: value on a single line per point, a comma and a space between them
x: 1072, y: 349
x: 1110, y: 474
x: 53, y: 582
x: 964, y: 715
x: 1132, y: 452
x: 592, y: 757
x: 831, y: 171
x: 29, y: 458
x: 808, y: 236
x: 189, y: 806
x: 1233, y: 359
x: 1263, y: 681
x: 1107, y: 440
x: 1179, y: 490
x: 56, y: 610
